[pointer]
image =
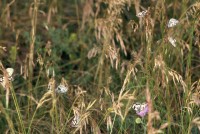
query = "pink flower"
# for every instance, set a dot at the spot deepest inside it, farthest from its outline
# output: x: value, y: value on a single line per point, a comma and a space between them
x: 143, y: 111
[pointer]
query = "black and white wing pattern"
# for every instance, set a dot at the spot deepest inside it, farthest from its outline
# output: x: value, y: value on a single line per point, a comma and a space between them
x: 142, y: 14
x: 10, y: 78
x: 172, y: 41
x: 138, y: 107
x: 76, y: 121
x: 172, y: 22
x: 61, y: 89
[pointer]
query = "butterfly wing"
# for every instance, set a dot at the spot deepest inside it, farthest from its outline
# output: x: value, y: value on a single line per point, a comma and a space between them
x: 138, y: 107
x: 2, y: 81
x: 61, y: 89
x: 10, y: 71
x: 172, y: 22
x: 75, y: 122
x: 2, y: 77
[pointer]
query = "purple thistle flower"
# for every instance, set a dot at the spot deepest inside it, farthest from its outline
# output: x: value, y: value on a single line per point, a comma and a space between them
x: 141, y: 109
x: 143, y: 112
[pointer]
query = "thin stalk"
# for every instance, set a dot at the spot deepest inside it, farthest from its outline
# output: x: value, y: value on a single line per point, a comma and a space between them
x: 56, y: 113
x: 113, y: 124
x: 10, y: 123
x: 18, y: 110
x: 121, y: 127
x: 31, y: 54
x: 29, y: 127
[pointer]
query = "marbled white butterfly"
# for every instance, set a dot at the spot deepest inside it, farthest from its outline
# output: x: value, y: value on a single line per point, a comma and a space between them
x: 10, y: 78
x: 142, y: 14
x: 76, y: 121
x: 172, y: 22
x: 172, y: 41
x: 61, y: 89
x: 138, y: 107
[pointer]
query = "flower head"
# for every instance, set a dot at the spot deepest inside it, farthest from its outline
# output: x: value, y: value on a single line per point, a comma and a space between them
x: 141, y: 109
x: 143, y: 112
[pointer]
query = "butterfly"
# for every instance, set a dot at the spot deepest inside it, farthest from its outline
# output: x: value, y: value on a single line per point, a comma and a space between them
x: 61, y: 89
x: 172, y: 22
x: 142, y: 14
x: 10, y: 78
x: 76, y: 121
x: 138, y: 107
x: 172, y: 41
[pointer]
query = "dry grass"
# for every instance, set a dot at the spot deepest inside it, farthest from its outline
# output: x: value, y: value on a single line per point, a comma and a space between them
x: 79, y: 68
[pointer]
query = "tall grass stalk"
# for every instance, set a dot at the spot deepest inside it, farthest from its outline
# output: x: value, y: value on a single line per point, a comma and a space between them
x: 18, y: 111
x: 31, y: 51
x: 8, y: 119
x: 112, y: 55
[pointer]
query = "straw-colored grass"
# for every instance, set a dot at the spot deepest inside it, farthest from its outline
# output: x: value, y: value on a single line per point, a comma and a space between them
x: 80, y: 65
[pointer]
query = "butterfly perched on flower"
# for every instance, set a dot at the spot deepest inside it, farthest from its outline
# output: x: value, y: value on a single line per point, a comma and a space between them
x: 140, y: 108
x: 172, y: 22
x: 3, y: 77
x: 76, y: 121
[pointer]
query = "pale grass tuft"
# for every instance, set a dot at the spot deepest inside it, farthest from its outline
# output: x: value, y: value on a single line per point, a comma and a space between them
x: 82, y: 113
x: 108, y: 31
x: 195, y: 93
x: 193, y: 10
x: 112, y: 54
x: 153, y: 115
x: 119, y: 38
x: 133, y: 25
x: 159, y: 10
x: 118, y: 106
x: 3, y: 48
x: 45, y: 98
x: 51, y: 84
x: 116, y: 7
x: 84, y: 110
x: 88, y: 13
x: 196, y: 98
x: 109, y: 122
x: 125, y: 66
x: 93, y: 52
x: 177, y: 77
x: 53, y: 9
x: 6, y: 15
x: 196, y: 122
x: 95, y: 127
x: 159, y: 63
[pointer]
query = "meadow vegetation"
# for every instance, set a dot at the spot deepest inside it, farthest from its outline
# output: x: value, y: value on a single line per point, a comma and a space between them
x: 81, y: 65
